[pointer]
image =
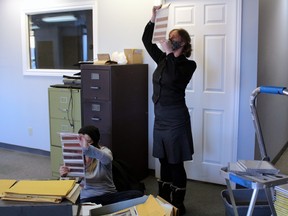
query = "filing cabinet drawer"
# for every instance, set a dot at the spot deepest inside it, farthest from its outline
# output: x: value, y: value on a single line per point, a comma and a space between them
x: 56, y: 161
x: 64, y: 103
x: 60, y: 125
x: 97, y: 85
x: 106, y: 140
x: 98, y: 114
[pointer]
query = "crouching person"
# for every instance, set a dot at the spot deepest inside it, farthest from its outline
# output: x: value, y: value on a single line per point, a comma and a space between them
x: 97, y: 185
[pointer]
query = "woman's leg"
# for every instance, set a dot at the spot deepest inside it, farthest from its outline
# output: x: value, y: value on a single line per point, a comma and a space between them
x: 165, y: 181
x: 178, y: 186
x: 179, y: 177
x: 165, y: 170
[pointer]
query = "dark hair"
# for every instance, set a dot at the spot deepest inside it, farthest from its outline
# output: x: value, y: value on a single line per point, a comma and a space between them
x: 185, y: 37
x: 93, y: 132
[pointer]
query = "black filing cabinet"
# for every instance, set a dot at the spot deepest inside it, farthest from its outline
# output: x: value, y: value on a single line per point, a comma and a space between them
x: 115, y: 99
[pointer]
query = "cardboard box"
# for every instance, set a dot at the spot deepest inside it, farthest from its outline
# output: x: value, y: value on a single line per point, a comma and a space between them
x: 116, y: 207
x: 102, y: 59
x: 134, y: 56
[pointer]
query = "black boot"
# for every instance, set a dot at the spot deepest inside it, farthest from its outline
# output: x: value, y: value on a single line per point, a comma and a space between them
x: 178, y: 195
x: 164, y: 190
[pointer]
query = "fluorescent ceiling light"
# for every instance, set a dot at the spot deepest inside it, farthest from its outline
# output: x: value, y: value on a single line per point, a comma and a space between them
x: 63, y: 18
x: 33, y: 27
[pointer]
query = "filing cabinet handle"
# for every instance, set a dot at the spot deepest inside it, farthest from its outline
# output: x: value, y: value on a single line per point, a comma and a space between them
x: 95, y: 87
x: 95, y: 119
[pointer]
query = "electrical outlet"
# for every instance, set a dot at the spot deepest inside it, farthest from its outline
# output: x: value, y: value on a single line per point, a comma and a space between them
x: 30, y: 131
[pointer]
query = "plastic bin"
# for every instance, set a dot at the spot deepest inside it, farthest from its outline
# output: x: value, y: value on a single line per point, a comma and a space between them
x: 242, y: 199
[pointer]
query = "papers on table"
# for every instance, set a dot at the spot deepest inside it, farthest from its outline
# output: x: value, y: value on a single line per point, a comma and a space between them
x: 43, y: 191
x: 150, y: 207
x: 5, y: 184
x: 125, y: 212
x: 72, y: 196
x: 252, y: 167
x: 72, y: 154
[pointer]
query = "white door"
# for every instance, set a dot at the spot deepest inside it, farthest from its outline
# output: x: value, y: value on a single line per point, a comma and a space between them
x: 212, y: 95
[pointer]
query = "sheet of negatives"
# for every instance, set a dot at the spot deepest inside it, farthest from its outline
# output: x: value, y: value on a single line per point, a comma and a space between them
x: 161, y: 24
x: 72, y: 154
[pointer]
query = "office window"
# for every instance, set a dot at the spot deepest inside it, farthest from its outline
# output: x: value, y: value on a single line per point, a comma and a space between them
x: 55, y: 39
x: 60, y: 40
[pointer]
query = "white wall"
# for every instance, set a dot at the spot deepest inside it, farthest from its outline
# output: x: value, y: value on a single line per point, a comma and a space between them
x: 263, y: 62
x: 248, y: 79
x: 273, y: 52
x: 24, y: 99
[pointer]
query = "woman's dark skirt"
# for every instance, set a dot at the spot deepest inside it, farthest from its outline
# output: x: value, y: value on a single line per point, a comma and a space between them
x: 172, y: 135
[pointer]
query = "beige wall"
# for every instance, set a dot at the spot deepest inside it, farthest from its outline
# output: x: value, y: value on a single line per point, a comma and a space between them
x: 272, y: 71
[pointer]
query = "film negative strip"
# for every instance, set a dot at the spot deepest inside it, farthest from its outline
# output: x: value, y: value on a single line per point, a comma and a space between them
x: 72, y: 154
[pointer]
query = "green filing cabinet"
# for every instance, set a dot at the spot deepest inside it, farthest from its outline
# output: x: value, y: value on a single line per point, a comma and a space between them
x: 64, y: 116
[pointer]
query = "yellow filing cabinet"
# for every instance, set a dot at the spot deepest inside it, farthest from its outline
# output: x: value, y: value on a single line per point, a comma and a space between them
x: 64, y: 116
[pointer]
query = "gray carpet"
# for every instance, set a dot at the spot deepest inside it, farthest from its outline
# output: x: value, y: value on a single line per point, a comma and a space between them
x: 202, y: 199
x: 22, y: 165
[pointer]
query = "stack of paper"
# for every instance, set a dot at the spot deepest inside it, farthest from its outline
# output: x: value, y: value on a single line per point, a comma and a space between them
x: 42, y: 191
x: 150, y: 207
x: 72, y: 154
x: 74, y: 80
x: 125, y: 212
x: 252, y: 167
x: 5, y: 184
x: 281, y: 200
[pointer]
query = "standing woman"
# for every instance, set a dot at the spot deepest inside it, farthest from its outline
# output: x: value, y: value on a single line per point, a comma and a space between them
x: 172, y: 136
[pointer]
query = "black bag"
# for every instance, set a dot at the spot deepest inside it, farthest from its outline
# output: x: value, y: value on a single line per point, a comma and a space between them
x: 124, y: 179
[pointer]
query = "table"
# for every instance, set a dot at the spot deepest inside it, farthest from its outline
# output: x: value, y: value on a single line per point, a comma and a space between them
x: 266, y: 182
x: 18, y: 208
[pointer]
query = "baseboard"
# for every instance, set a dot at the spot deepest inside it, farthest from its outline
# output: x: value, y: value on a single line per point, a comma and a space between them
x: 24, y: 149
x: 278, y: 156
